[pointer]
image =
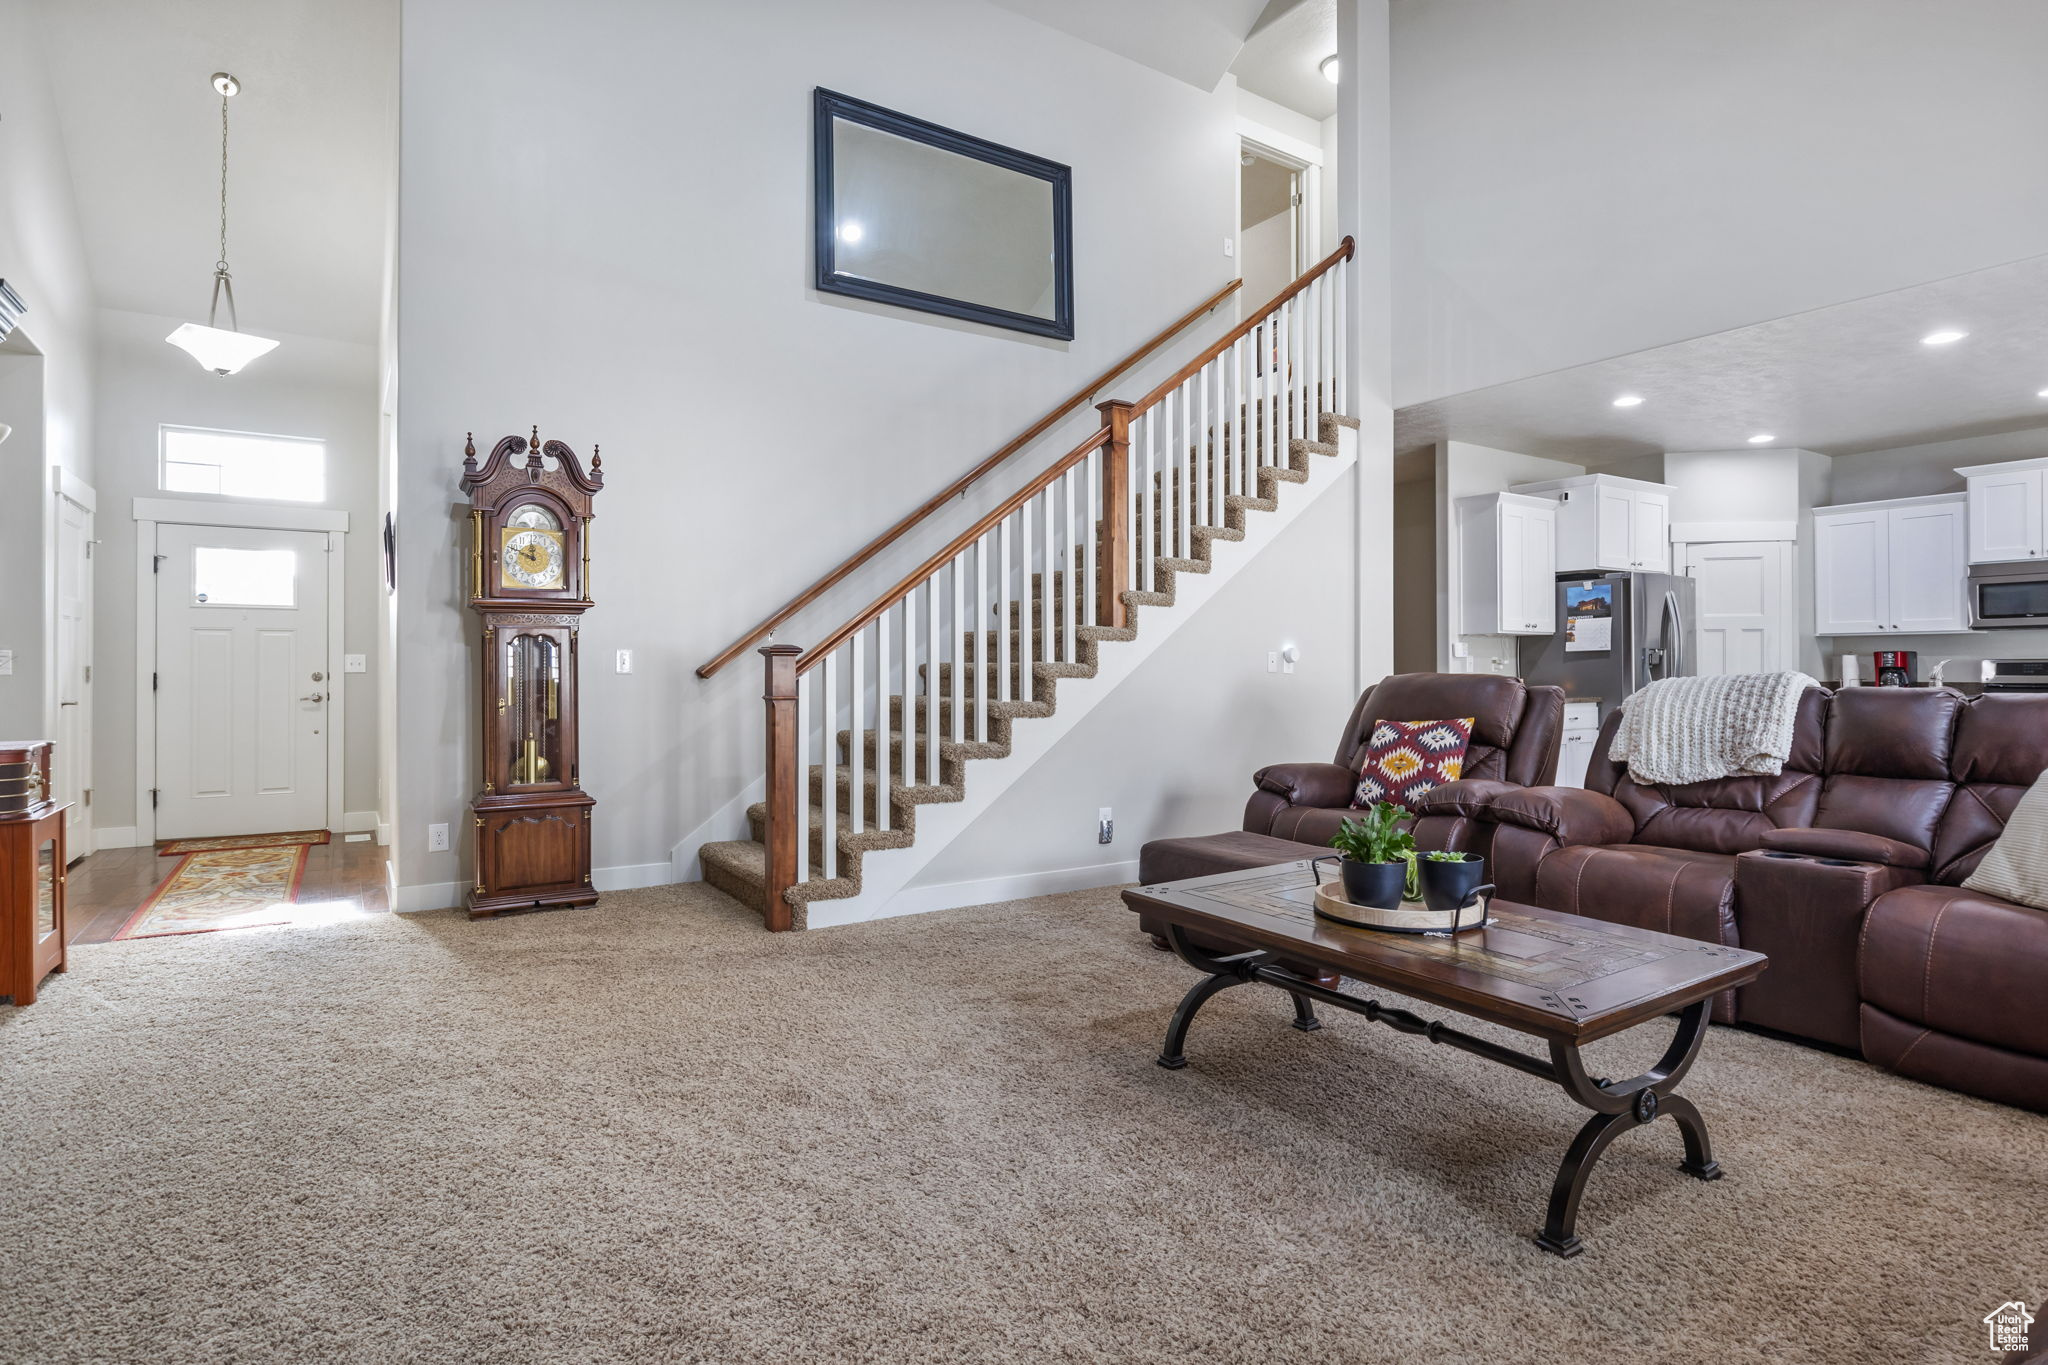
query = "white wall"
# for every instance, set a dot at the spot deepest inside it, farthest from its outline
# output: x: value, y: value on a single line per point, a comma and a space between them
x: 1463, y: 470
x: 604, y: 229
x: 1588, y: 178
x: 1729, y: 494
x: 1914, y: 471
x: 306, y: 387
x: 46, y: 372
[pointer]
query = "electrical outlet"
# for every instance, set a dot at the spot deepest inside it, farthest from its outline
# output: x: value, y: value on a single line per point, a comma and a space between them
x: 355, y: 663
x: 437, y: 838
x: 1272, y: 661
x: 625, y: 664
x: 1500, y: 665
x: 1460, y: 650
x: 1105, y: 827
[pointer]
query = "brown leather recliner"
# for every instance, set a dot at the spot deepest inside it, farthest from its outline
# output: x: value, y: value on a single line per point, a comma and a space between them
x: 1296, y: 807
x: 1845, y: 869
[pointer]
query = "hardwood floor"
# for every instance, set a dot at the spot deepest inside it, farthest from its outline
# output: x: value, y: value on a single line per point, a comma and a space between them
x: 105, y: 888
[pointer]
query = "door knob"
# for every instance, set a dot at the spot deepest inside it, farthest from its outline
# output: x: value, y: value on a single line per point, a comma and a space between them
x: 315, y: 697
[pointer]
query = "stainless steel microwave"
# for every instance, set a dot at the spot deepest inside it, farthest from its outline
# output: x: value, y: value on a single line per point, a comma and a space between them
x: 2003, y: 595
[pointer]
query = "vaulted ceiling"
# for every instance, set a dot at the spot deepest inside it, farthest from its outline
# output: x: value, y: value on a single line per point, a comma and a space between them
x: 1191, y: 40
x: 312, y: 153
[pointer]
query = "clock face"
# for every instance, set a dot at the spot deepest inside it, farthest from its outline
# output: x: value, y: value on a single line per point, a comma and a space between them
x: 531, y: 558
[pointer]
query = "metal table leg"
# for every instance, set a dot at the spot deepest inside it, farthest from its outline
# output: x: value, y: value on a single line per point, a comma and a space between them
x: 1618, y: 1107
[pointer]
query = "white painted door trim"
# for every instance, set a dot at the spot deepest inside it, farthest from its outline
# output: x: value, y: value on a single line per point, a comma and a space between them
x: 149, y: 513
x: 68, y: 487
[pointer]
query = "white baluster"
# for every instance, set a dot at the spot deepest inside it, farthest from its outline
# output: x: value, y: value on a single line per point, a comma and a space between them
x: 959, y: 631
x: 1269, y: 410
x: 1200, y: 501
x: 856, y: 746
x: 1026, y: 644
x: 1342, y: 340
x: 1070, y: 560
x: 1184, y: 520
x: 828, y: 745
x: 984, y: 647
x: 803, y: 778
x: 1091, y: 495
x: 1049, y: 598
x: 1145, y: 545
x: 882, y: 773
x: 907, y: 724
x: 1000, y: 687
x: 931, y: 678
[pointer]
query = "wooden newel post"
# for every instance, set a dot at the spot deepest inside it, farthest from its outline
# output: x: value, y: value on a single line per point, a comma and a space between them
x: 1113, y: 558
x: 784, y: 782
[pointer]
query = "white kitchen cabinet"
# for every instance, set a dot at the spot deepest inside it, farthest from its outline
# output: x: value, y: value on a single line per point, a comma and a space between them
x: 1508, y: 565
x: 1607, y: 524
x: 1895, y: 567
x: 2008, y: 511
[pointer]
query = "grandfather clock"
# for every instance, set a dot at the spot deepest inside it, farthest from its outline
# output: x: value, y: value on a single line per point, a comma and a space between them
x: 530, y: 584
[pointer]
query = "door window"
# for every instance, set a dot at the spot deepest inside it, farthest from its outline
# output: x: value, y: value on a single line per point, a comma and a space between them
x: 223, y: 576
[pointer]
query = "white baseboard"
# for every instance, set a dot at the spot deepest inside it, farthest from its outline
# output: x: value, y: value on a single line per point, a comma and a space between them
x: 383, y: 836
x: 920, y: 900
x: 407, y: 900
x: 116, y: 836
x: 628, y: 876
x: 358, y: 821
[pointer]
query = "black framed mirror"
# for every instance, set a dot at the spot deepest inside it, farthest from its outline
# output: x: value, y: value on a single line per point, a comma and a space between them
x: 924, y: 217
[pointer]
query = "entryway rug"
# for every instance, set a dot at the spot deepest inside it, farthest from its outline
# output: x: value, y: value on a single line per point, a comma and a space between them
x: 172, y: 847
x: 231, y: 888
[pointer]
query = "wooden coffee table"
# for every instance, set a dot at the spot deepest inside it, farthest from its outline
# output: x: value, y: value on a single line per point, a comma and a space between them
x: 1564, y: 978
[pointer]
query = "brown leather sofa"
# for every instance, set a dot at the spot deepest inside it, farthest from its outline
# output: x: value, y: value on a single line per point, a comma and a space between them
x: 1296, y: 807
x: 1846, y: 869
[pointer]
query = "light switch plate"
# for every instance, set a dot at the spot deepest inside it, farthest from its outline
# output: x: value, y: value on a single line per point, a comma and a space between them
x: 625, y: 664
x: 355, y: 663
x: 1230, y: 246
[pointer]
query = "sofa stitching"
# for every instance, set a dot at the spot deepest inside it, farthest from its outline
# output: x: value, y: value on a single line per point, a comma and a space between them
x: 1578, y: 880
x: 1927, y: 973
x: 1671, y: 895
x: 1900, y: 1060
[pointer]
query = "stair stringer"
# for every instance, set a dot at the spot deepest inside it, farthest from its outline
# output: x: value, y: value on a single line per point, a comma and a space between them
x: 886, y: 874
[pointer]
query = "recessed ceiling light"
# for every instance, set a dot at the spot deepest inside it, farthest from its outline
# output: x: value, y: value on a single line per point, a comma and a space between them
x: 1942, y: 338
x: 1328, y: 66
x: 1629, y: 400
x: 1762, y: 438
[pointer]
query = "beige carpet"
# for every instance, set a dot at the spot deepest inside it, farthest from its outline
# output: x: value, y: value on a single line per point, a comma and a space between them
x: 649, y: 1132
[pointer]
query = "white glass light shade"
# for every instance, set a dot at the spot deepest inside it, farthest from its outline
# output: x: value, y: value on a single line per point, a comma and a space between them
x: 218, y: 349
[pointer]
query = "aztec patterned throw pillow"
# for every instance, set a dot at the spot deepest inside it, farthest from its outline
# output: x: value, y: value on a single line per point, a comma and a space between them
x: 1406, y: 758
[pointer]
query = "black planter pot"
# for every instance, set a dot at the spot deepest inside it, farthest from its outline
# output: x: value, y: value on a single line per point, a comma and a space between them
x: 1376, y: 884
x: 1446, y: 886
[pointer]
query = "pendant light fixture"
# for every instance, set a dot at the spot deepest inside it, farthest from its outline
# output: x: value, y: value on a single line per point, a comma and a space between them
x: 222, y: 350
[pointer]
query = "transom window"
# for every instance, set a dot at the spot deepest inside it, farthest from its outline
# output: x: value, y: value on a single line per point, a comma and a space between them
x: 242, y: 464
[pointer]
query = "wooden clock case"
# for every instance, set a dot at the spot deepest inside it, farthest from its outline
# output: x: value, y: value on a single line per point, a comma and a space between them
x: 532, y: 816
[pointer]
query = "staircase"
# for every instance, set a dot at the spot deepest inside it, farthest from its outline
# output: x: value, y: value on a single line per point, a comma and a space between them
x: 1032, y: 615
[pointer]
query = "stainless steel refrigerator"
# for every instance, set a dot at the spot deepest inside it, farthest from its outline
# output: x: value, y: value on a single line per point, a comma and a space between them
x: 1615, y: 632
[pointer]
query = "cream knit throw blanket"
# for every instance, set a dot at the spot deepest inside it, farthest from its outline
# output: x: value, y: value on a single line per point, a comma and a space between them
x: 1680, y: 730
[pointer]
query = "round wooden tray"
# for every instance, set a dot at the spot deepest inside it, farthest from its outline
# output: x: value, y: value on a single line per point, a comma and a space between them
x: 1412, y: 917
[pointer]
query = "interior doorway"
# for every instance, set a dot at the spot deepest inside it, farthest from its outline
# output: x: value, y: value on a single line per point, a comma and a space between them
x: 71, y: 760
x: 1269, y: 247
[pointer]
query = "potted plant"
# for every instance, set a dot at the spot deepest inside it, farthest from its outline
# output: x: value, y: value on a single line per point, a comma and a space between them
x: 1449, y: 879
x: 1376, y: 853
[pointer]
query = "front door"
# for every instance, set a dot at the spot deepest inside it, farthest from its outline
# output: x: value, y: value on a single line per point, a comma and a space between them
x: 71, y: 762
x: 242, y: 681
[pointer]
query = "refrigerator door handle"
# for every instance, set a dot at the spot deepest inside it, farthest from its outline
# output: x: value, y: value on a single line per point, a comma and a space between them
x: 1674, y: 641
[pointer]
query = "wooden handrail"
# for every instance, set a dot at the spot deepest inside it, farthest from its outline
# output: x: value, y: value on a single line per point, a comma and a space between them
x: 960, y: 485
x: 1096, y: 440
x: 1230, y: 338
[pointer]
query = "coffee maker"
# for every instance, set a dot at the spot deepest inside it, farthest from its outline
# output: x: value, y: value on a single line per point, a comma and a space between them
x: 1897, y: 667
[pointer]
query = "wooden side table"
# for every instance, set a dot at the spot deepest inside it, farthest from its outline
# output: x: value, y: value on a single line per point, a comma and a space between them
x: 31, y: 870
